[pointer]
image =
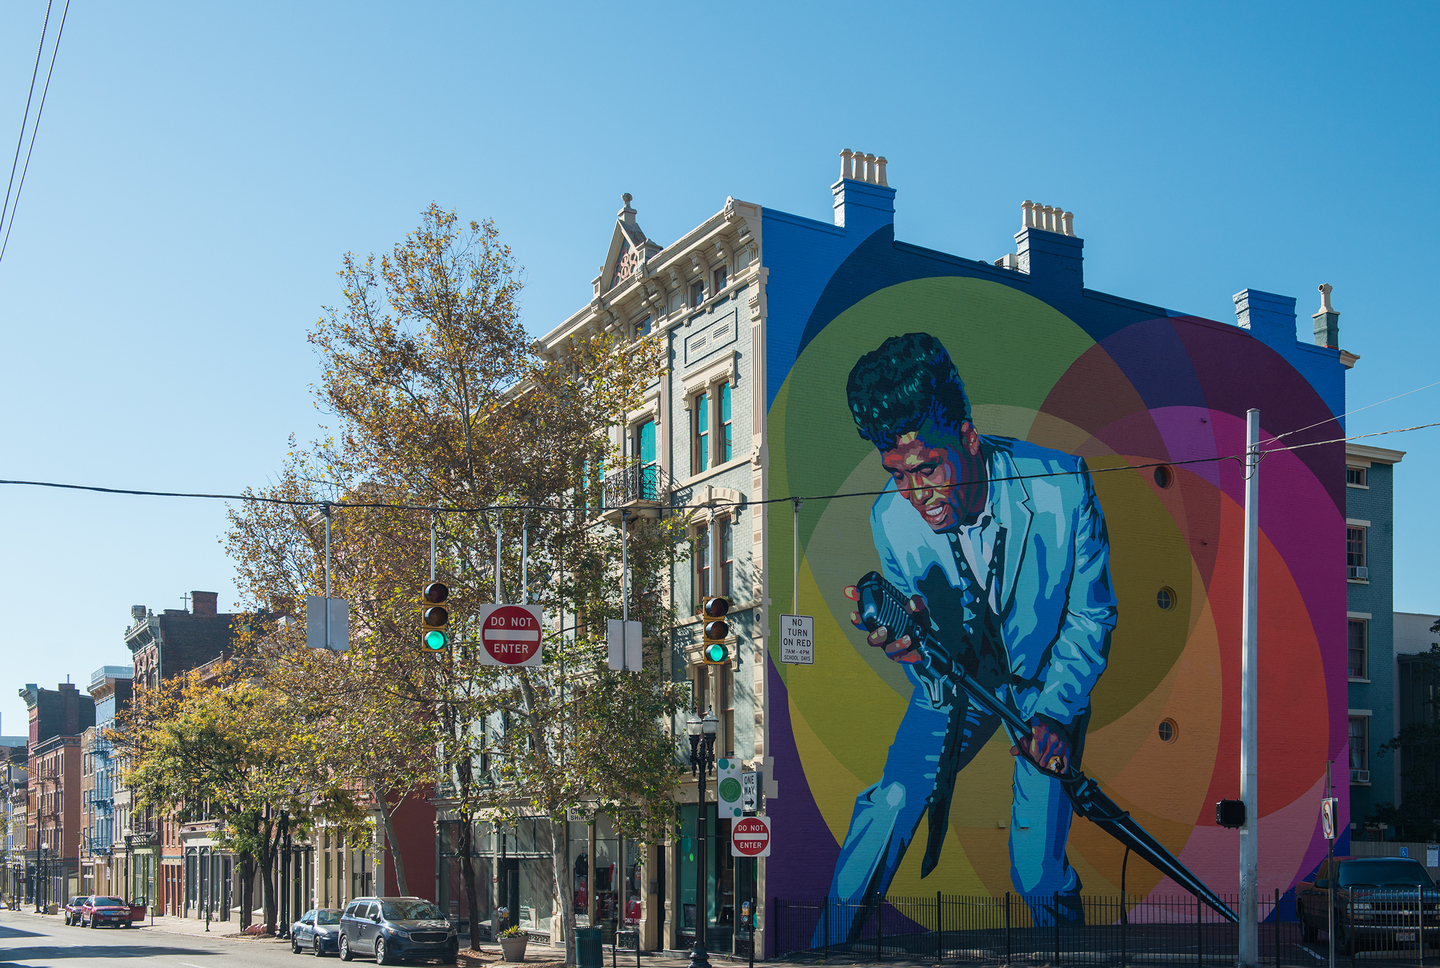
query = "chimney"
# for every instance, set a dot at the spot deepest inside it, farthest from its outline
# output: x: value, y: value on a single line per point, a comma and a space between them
x: 1327, y: 320
x: 204, y: 603
x: 1269, y: 317
x: 864, y: 200
x: 1046, y: 247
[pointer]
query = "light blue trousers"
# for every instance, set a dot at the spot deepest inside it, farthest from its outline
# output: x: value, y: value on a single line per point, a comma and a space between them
x: 888, y: 812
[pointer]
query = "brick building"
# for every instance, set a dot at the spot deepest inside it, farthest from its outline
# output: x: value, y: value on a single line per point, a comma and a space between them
x: 58, y: 720
x: 149, y: 855
x: 789, y: 338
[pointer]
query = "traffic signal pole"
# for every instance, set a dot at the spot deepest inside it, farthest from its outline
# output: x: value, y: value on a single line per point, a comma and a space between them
x: 1249, y: 953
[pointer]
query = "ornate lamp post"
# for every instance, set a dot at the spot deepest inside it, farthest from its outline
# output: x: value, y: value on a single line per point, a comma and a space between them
x: 702, y: 758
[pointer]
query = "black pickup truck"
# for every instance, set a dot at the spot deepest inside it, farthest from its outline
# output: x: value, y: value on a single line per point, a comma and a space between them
x: 1377, y: 903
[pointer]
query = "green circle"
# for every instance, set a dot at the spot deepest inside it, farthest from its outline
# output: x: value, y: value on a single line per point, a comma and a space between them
x: 715, y: 652
x: 435, y: 640
x: 729, y: 789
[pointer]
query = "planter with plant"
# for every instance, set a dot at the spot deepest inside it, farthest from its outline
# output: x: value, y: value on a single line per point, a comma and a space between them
x: 512, y: 942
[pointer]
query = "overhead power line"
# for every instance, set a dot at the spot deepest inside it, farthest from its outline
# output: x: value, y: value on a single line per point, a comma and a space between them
x: 40, y: 111
x: 25, y: 119
x: 564, y: 508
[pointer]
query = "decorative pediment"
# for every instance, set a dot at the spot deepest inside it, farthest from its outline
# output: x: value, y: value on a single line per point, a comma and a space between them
x: 629, y: 249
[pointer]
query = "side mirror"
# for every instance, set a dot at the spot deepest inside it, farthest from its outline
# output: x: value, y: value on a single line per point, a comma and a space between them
x: 1322, y: 883
x: 375, y: 918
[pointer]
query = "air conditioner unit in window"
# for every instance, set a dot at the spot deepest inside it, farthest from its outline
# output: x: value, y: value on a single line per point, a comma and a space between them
x: 1359, y: 572
x: 1359, y: 776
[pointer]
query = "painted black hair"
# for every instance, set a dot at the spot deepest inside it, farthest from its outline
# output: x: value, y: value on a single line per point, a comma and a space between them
x: 907, y: 382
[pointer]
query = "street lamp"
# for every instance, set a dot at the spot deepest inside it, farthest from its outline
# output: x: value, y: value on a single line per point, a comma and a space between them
x: 702, y: 757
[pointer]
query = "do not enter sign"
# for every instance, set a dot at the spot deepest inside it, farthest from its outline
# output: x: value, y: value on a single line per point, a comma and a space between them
x: 510, y: 635
x: 750, y: 837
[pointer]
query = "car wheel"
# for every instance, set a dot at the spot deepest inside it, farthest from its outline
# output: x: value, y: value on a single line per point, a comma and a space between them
x: 294, y: 944
x: 93, y: 922
x: 380, y: 956
x: 345, y: 953
x: 1344, y: 939
x: 1308, y: 932
x: 316, y: 950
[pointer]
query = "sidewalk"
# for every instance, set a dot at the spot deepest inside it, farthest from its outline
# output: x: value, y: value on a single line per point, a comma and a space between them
x: 488, y: 953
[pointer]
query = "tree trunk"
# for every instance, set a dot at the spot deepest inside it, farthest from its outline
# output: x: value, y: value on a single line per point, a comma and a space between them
x: 247, y: 890
x: 387, y: 819
x: 267, y: 880
x: 466, y: 841
x: 564, y: 884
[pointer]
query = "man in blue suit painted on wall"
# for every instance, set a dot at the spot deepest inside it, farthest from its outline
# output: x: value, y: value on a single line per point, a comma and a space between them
x: 1000, y: 545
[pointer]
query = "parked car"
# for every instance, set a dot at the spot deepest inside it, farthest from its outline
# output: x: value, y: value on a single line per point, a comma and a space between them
x: 72, y: 909
x: 393, y: 928
x: 99, y: 909
x: 1378, y: 901
x: 317, y: 931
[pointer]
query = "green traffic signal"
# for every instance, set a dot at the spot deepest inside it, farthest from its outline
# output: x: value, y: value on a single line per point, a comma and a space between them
x: 716, y: 652
x: 435, y: 640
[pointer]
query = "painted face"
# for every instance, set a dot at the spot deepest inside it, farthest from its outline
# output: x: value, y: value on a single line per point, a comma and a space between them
x: 942, y: 477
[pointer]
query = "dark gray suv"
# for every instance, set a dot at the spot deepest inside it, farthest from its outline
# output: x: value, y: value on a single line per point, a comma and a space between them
x: 396, y: 928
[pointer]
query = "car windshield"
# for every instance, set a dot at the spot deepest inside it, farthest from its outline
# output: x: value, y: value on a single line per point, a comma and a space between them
x: 327, y: 917
x: 411, y: 911
x: 1383, y: 873
x: 109, y: 902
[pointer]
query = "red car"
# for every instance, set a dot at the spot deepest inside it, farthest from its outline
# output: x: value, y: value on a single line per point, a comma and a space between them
x: 98, y: 910
x: 72, y: 909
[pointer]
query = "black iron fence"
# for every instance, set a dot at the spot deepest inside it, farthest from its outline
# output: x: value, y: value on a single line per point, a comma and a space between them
x: 1054, y: 930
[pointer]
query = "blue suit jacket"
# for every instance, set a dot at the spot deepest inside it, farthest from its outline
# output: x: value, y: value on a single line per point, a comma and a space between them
x: 1056, y: 603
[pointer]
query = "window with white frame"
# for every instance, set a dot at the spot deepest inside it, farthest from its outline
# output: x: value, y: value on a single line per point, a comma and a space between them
x: 697, y: 292
x: 1357, y: 477
x: 1355, y: 565
x: 725, y: 539
x: 1355, y: 663
x: 712, y: 423
x: 720, y: 276
x: 1359, y: 749
x: 702, y: 564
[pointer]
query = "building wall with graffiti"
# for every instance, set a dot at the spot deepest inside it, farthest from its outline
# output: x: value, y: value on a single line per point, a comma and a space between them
x: 1091, y: 585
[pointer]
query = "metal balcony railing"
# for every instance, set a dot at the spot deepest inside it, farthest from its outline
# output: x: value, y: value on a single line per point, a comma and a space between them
x: 635, y: 483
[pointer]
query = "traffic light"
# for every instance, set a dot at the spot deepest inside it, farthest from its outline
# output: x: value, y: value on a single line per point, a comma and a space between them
x: 717, y: 630
x: 435, y: 616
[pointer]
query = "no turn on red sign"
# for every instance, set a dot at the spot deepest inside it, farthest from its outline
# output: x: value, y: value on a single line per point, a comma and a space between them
x: 510, y: 635
x: 750, y: 837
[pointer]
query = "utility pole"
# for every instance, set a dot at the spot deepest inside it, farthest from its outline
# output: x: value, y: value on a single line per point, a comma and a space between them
x: 1249, y: 953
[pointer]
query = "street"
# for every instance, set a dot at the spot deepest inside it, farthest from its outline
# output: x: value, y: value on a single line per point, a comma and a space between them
x: 28, y: 939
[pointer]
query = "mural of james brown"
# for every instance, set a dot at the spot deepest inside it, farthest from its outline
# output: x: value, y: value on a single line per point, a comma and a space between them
x: 1001, y: 546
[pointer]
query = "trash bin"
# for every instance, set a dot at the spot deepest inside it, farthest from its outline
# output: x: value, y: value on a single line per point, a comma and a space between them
x: 587, y: 948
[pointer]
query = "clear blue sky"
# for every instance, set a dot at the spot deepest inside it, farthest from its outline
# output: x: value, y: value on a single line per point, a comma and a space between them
x: 201, y: 168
